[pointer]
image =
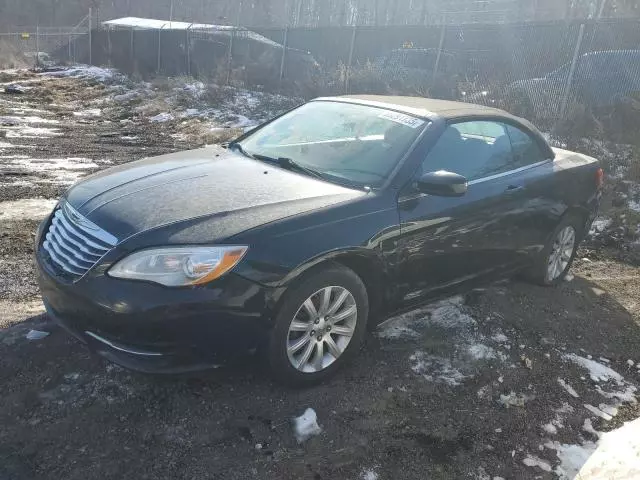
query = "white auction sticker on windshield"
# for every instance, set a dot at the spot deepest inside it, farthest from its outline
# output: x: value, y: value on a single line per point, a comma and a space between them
x: 403, y: 119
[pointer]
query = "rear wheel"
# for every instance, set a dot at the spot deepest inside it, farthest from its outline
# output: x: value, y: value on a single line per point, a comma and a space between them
x: 556, y: 258
x: 319, y: 327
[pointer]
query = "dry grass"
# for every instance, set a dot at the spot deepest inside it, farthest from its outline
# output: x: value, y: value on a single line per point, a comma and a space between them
x: 11, y: 56
x: 204, y: 133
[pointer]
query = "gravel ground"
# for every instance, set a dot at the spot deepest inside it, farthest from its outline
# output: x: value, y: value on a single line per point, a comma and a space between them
x: 425, y: 399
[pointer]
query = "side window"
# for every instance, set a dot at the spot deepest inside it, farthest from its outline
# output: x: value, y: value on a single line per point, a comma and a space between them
x: 472, y: 149
x: 526, y: 150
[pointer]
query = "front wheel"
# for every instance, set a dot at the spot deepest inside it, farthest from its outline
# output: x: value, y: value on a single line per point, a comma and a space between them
x: 319, y: 327
x: 554, y: 261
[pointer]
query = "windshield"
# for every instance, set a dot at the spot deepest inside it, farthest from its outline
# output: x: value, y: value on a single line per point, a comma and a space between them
x: 349, y: 144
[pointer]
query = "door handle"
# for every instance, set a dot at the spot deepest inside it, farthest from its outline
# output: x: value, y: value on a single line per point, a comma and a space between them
x: 515, y: 188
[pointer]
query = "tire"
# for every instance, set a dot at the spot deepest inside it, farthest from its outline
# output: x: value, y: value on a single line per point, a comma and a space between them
x: 541, y: 272
x: 337, y: 280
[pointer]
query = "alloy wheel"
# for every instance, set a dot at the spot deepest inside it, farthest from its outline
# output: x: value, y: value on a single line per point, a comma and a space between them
x: 321, y: 329
x: 561, y: 252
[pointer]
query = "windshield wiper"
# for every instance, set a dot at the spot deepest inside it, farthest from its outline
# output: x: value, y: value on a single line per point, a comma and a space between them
x: 290, y: 164
x: 235, y: 146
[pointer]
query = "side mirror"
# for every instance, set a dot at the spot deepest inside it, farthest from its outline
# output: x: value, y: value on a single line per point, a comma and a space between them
x: 442, y: 184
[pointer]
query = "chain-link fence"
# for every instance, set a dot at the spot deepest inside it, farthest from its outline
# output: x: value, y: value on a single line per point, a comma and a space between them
x: 545, y: 71
x: 38, y: 45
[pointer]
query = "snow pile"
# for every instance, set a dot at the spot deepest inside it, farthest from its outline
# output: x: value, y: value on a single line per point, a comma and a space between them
x: 615, y: 455
x: 436, y: 369
x: 29, y: 209
x: 87, y: 72
x: 447, y: 313
x: 306, y: 425
x: 597, y: 371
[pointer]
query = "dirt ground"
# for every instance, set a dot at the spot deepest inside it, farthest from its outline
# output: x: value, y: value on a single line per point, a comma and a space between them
x: 480, y: 386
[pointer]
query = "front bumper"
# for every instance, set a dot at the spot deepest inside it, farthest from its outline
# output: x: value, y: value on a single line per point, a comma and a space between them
x: 155, y: 329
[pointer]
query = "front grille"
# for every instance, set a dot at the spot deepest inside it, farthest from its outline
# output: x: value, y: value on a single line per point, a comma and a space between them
x: 74, y: 244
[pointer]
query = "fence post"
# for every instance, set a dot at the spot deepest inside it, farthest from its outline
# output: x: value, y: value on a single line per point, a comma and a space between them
x: 347, y: 82
x: 189, y: 51
x: 109, y: 47
x: 572, y: 71
x: 37, y: 46
x: 233, y: 33
x: 159, y: 49
x: 131, y: 53
x: 90, y: 37
x: 440, y: 45
x: 284, y: 52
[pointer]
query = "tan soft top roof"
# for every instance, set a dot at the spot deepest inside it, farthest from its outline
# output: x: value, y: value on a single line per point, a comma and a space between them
x: 422, y: 107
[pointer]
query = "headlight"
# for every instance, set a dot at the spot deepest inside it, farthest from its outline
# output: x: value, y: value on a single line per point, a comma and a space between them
x: 179, y: 266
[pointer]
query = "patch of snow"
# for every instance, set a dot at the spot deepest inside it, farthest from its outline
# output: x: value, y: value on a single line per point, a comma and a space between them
x: 599, y: 225
x: 597, y: 371
x: 572, y: 458
x: 568, y: 388
x: 91, y: 112
x: 436, y: 369
x: 515, y: 400
x: 32, y: 132
x: 196, y: 89
x: 369, y: 475
x: 597, y: 412
x: 569, y: 277
x: 27, y: 119
x: 617, y: 455
x: 190, y: 112
x: 480, y: 351
x: 625, y: 396
x: 483, y: 392
x: 500, y: 338
x: 587, y: 426
x: 161, y: 118
x: 550, y: 428
x: 306, y: 425
x: 533, y: 461
x: 36, y: 335
x: 29, y: 209
x: 98, y: 74
x: 446, y: 313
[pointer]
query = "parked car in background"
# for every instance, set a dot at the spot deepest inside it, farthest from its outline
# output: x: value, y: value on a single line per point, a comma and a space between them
x: 307, y: 231
x: 412, y: 70
x: 600, y: 79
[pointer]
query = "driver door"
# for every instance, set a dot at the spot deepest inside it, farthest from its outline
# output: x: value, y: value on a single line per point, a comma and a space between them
x: 446, y: 241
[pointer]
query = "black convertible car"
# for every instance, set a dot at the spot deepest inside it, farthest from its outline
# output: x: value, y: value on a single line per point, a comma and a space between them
x: 304, y: 232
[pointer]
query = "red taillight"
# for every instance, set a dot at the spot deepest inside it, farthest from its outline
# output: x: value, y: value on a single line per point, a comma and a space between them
x: 599, y: 178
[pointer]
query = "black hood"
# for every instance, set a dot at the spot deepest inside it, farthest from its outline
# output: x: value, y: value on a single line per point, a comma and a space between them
x: 238, y: 192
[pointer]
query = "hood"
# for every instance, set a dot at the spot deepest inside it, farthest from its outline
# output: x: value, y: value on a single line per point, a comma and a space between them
x: 238, y: 192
